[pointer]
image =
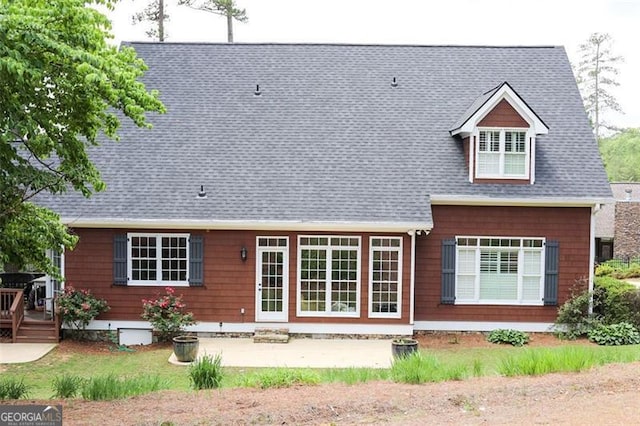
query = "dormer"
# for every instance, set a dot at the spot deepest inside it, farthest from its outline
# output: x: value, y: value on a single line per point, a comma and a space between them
x: 499, y: 132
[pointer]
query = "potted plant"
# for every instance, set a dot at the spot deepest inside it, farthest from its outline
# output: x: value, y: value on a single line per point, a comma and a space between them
x: 166, y: 315
x: 403, y: 346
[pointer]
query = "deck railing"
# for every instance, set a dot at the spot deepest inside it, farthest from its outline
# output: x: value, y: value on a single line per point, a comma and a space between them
x: 7, y: 296
x: 17, y: 314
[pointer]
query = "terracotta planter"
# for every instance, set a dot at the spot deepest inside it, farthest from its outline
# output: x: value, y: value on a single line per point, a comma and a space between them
x: 185, y: 348
x: 403, y: 347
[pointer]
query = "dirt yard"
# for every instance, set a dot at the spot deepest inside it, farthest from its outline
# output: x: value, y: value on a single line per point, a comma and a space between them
x: 607, y: 395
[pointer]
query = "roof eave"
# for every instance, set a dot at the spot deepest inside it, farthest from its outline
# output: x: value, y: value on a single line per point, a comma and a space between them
x: 467, y: 200
x: 504, y: 91
x: 257, y: 225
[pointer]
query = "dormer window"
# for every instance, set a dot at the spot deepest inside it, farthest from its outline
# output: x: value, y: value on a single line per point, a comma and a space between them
x: 498, y: 132
x: 502, y: 153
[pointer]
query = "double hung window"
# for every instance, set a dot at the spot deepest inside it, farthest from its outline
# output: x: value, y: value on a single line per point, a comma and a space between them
x: 499, y: 270
x: 502, y: 153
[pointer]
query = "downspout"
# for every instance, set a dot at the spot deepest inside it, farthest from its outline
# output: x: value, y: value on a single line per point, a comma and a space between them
x: 412, y: 285
x: 412, y: 292
x: 592, y: 252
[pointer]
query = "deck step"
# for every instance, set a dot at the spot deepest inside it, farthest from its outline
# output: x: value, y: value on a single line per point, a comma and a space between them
x: 36, y: 339
x: 37, y: 332
x: 271, y: 335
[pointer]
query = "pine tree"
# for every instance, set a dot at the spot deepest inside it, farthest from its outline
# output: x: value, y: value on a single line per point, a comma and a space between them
x: 596, y: 75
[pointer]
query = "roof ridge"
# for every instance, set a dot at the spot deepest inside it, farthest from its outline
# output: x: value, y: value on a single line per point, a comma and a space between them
x: 462, y: 46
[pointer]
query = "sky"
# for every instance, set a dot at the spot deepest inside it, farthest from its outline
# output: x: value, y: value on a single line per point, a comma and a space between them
x: 565, y: 23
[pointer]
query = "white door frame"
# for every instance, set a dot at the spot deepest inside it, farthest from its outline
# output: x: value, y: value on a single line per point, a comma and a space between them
x: 284, y: 249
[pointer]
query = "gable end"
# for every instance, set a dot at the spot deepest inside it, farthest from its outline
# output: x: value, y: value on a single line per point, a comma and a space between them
x: 503, y: 115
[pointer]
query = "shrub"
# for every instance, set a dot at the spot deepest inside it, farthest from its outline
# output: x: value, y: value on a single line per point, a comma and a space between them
x: 615, y: 334
x: 631, y: 272
x: 13, y: 389
x: 513, y: 337
x: 79, y: 307
x: 166, y: 314
x: 66, y: 386
x: 604, y: 270
x: 614, y: 301
x: 206, y: 372
x: 574, y: 319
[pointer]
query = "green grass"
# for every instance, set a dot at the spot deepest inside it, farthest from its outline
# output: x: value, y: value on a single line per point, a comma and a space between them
x: 278, y: 378
x: 432, y: 365
x: 206, y: 372
x: 110, y: 386
x: 352, y: 376
x: 533, y: 362
x: 39, y: 375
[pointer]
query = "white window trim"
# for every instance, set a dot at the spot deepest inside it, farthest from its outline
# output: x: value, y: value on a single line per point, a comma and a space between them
x: 397, y: 314
x: 475, y: 145
x: 329, y: 313
x: 159, y: 282
x: 518, y: 302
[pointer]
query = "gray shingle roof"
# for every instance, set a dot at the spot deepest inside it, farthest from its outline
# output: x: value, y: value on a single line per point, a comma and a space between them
x: 473, y: 108
x: 329, y: 139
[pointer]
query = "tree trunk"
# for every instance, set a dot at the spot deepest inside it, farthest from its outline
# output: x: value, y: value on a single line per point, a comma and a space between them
x: 597, y: 93
x: 229, y: 25
x: 161, y: 20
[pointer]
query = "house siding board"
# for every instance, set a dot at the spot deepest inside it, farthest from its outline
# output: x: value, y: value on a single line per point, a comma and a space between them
x: 503, y: 115
x: 569, y: 226
x: 228, y: 282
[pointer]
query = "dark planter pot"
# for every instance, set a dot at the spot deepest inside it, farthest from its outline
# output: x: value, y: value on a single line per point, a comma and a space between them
x: 403, y: 347
x: 185, y: 348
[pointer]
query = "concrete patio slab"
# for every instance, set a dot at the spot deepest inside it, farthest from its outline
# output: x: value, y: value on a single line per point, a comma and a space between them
x: 298, y: 353
x: 15, y: 353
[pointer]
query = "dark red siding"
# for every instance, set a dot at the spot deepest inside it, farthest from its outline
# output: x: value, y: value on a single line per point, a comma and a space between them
x: 229, y: 283
x: 503, y: 115
x: 569, y: 226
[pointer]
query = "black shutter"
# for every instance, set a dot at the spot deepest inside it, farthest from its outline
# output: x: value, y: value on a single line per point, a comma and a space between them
x: 551, y: 263
x: 448, y: 295
x: 120, y: 259
x: 196, y: 261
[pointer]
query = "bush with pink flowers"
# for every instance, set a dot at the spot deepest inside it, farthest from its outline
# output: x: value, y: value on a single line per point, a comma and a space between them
x: 166, y: 314
x: 78, y: 307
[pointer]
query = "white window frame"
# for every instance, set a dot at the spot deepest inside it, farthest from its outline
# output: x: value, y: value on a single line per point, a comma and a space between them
x: 159, y: 281
x: 476, y: 300
x: 328, y: 302
x: 398, y: 250
x: 502, y: 152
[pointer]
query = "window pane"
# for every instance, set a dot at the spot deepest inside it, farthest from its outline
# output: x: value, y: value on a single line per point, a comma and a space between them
x: 466, y: 261
x: 313, y: 280
x: 143, y: 261
x: 465, y: 287
x: 174, y: 258
x: 343, y: 285
x: 532, y: 262
x: 531, y: 288
x: 385, y: 277
x: 488, y: 163
x: 515, y: 164
x: 494, y: 286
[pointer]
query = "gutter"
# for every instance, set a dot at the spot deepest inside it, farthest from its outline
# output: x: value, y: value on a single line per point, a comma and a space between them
x: 131, y: 223
x: 469, y: 200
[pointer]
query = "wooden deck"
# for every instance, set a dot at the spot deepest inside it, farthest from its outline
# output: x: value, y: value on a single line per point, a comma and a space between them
x: 27, y: 326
